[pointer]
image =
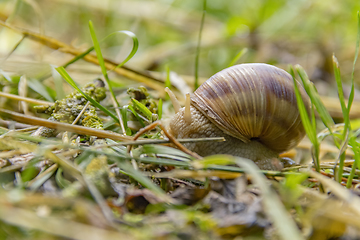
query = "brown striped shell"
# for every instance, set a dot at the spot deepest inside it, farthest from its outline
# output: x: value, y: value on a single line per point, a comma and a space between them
x: 253, y: 101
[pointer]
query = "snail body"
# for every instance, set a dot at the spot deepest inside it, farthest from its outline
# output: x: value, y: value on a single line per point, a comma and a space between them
x: 253, y: 106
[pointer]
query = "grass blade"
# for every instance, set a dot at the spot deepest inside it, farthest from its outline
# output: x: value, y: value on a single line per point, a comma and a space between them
x: 196, y: 84
x: 123, y: 112
x: 352, y: 140
x: 309, y: 127
x: 160, y: 106
x: 355, y: 148
x: 238, y: 56
x: 345, y: 112
x: 315, y: 98
x: 102, y: 64
x: 142, y: 108
x: 341, y: 94
x: 136, y: 116
x: 60, y: 93
x: 352, y: 92
x: 38, y: 87
x: 146, y: 182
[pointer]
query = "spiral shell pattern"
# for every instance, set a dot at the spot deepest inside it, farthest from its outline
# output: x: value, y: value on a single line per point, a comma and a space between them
x: 253, y: 101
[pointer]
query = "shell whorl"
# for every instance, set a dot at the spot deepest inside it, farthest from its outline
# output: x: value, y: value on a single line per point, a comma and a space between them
x: 253, y: 101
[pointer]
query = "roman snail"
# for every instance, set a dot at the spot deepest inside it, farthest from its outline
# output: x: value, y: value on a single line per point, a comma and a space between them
x: 253, y: 106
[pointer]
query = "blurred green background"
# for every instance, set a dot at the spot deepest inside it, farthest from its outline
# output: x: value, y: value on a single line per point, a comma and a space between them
x: 279, y: 32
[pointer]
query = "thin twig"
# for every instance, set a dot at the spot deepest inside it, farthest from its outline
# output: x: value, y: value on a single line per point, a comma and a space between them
x: 25, y: 99
x: 168, y: 135
x: 65, y: 48
x: 63, y: 126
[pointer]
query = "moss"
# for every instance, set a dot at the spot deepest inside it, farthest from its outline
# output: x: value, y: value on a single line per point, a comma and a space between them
x: 66, y: 110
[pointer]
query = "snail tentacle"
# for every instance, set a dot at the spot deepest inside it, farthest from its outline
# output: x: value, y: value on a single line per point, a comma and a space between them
x: 175, y: 102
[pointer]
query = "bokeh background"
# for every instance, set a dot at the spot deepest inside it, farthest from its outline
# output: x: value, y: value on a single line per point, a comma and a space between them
x: 279, y: 32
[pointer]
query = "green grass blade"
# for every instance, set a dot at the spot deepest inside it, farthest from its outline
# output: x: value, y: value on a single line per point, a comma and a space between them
x: 144, y: 181
x: 67, y: 78
x: 124, y: 117
x: 143, y: 109
x: 352, y: 140
x: 133, y: 50
x: 352, y: 92
x: 167, y: 80
x: 38, y: 87
x: 241, y: 53
x: 345, y: 112
x: 355, y: 148
x: 60, y: 180
x: 140, y: 120
x: 164, y: 150
x: 98, y: 51
x: 309, y: 127
x: 315, y: 98
x: 102, y: 63
x: 60, y: 93
x: 197, y: 56
x: 341, y: 95
x: 160, y: 107
x: 78, y: 57
x: 42, y: 177
x: 211, y: 161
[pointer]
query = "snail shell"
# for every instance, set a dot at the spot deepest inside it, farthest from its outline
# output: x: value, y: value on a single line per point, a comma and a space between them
x: 253, y: 102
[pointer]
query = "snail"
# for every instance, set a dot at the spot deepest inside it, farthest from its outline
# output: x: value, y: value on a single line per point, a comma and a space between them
x: 253, y: 106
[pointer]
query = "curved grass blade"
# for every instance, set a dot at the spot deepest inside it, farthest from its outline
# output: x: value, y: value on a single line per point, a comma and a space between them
x: 67, y: 78
x: 42, y: 177
x: 60, y: 180
x: 103, y: 68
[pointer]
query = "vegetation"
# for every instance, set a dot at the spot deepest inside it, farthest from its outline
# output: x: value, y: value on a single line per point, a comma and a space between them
x: 98, y: 176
